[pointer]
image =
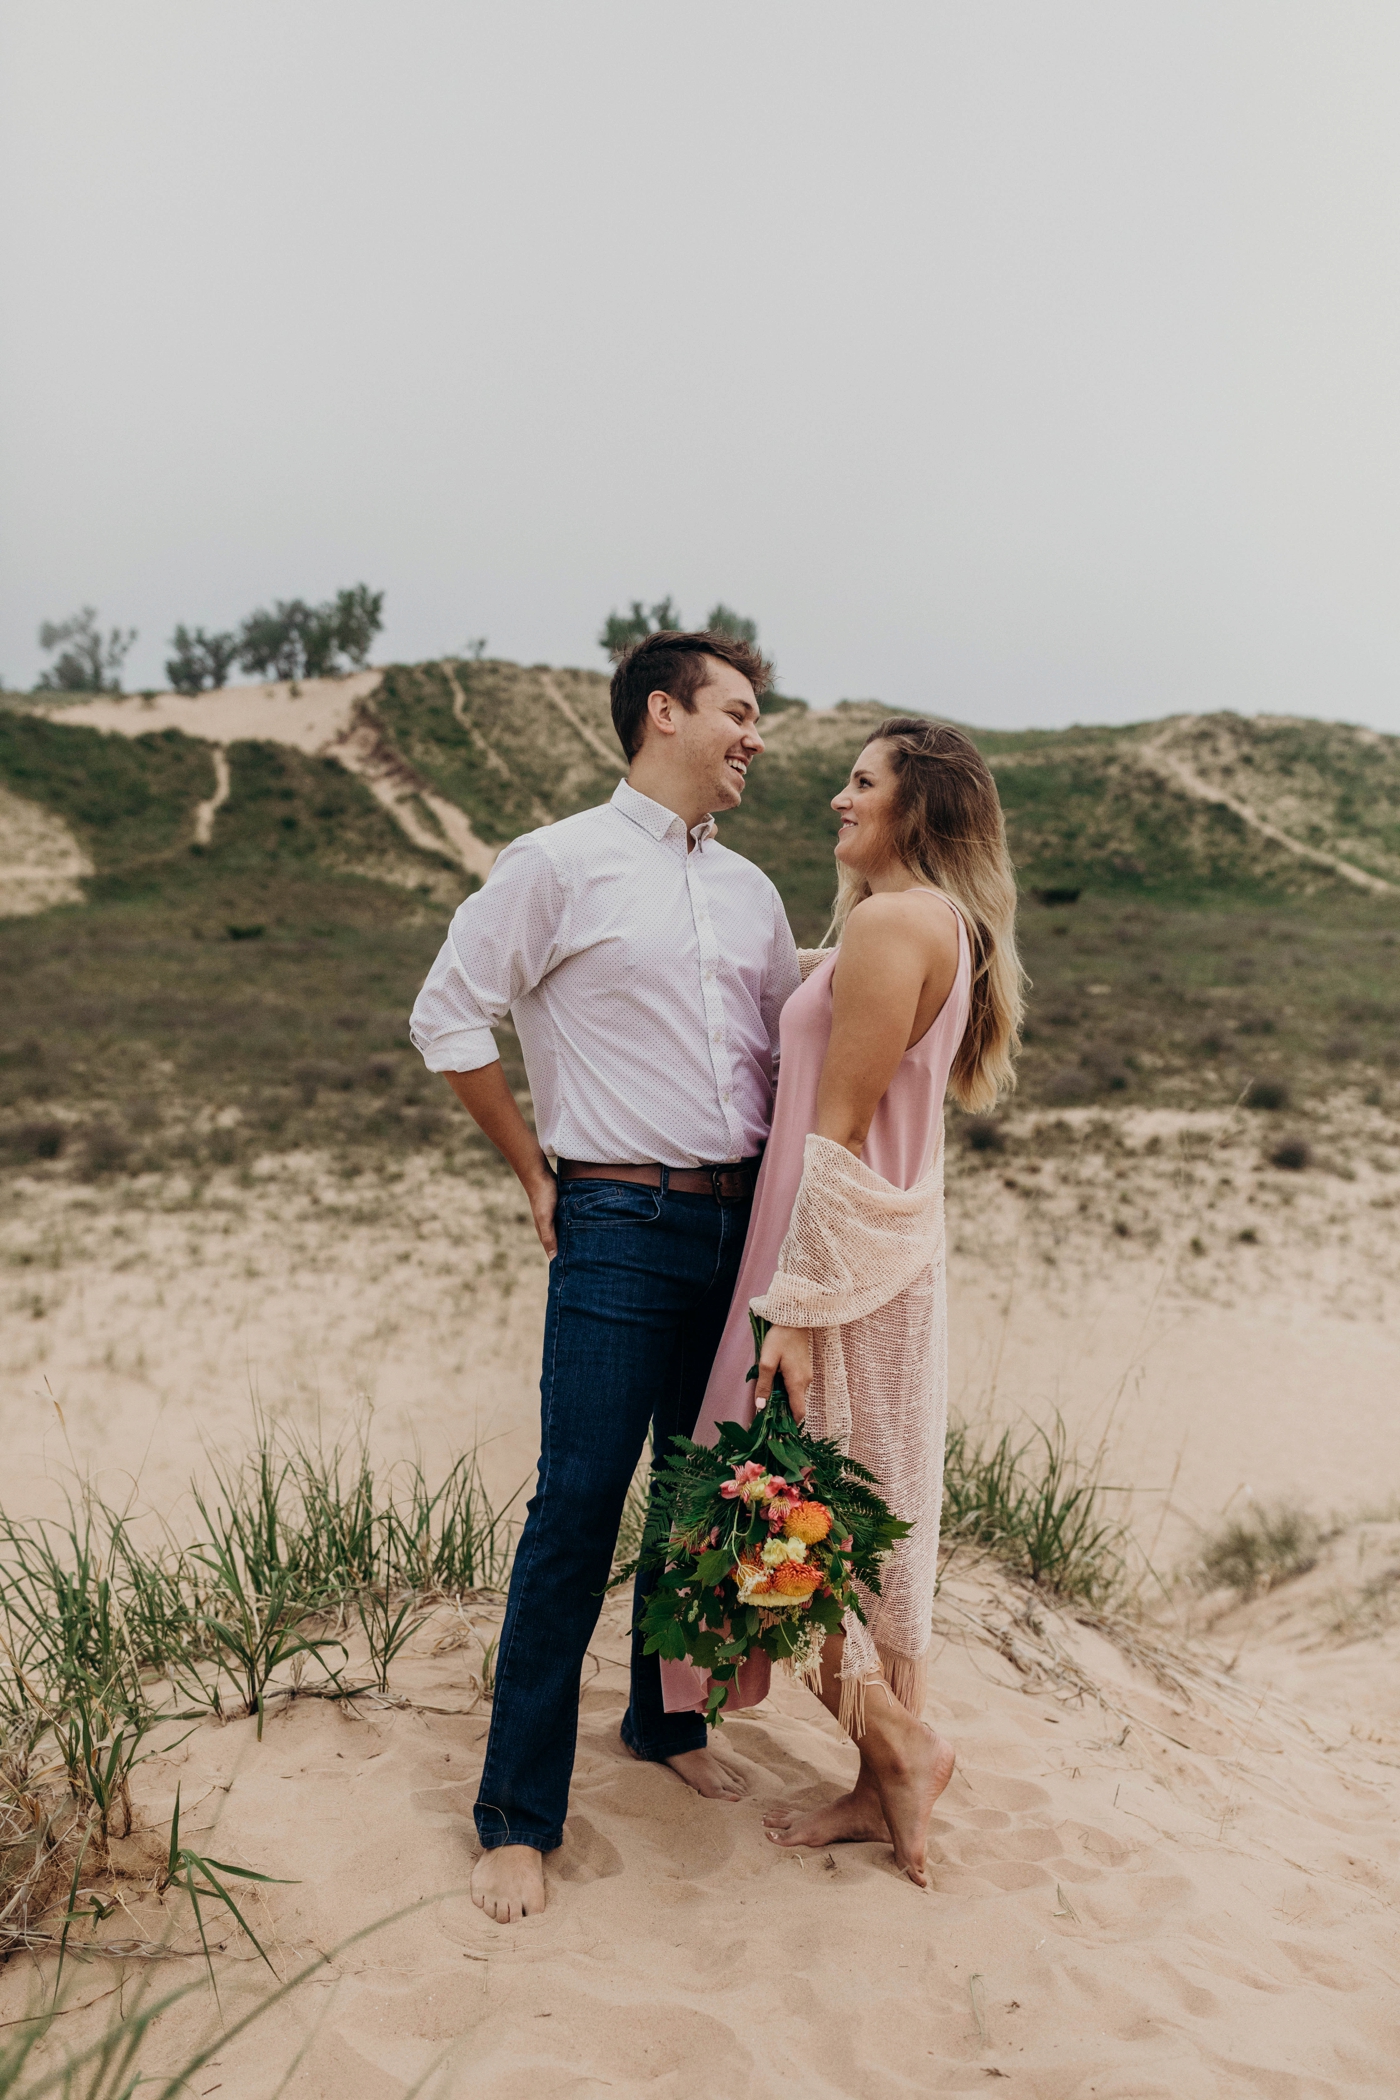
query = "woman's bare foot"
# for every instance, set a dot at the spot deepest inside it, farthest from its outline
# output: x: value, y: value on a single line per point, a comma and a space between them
x: 508, y: 1883
x: 911, y: 1774
x: 856, y: 1819
x: 707, y: 1772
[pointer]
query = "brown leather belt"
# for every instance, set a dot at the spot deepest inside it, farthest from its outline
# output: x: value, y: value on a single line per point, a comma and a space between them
x: 733, y: 1183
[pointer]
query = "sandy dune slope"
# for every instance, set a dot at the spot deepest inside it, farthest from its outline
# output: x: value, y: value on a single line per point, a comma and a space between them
x: 310, y: 714
x: 316, y: 715
x: 41, y: 863
x: 1169, y: 1862
x: 1262, y: 1366
x: 1174, y: 1888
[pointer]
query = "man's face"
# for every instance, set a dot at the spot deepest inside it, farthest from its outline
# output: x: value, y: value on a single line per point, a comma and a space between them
x: 719, y: 739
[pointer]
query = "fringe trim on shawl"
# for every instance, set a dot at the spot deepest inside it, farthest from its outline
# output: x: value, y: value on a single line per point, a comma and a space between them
x: 808, y: 1673
x: 901, y: 1677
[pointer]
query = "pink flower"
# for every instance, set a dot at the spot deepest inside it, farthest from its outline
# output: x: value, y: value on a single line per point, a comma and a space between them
x: 749, y: 1482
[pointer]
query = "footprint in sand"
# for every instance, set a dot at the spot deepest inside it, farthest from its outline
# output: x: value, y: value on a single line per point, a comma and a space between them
x: 1321, y: 1967
x: 995, y: 1790
x: 448, y: 1803
x: 585, y: 1855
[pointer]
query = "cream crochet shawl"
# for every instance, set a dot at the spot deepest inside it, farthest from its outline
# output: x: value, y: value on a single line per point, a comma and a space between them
x: 863, y: 1266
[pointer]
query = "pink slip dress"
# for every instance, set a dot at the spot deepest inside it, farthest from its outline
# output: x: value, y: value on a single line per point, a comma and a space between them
x: 905, y: 1137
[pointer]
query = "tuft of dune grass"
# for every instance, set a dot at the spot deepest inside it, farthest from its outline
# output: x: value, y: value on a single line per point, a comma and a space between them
x: 107, y: 1643
x: 1255, y: 1552
x: 1035, y: 1505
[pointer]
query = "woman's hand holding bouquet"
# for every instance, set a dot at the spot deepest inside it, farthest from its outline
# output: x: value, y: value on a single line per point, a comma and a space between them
x: 758, y: 1542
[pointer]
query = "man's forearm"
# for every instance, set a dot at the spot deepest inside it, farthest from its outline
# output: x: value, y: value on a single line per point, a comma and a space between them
x: 492, y: 1106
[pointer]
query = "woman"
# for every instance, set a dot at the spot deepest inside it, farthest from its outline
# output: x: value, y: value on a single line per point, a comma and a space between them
x: 845, y: 1247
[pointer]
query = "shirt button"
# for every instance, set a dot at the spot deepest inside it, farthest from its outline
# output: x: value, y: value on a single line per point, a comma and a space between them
x: 725, y: 1095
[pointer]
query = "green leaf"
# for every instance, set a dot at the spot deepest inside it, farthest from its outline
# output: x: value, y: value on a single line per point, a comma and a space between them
x: 714, y: 1565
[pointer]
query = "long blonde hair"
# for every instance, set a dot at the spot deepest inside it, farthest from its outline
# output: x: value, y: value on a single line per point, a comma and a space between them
x: 950, y: 831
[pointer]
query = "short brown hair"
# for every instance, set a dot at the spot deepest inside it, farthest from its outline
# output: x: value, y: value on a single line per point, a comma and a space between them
x: 674, y: 663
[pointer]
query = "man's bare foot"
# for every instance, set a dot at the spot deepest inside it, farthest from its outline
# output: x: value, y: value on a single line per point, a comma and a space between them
x: 508, y: 1883
x: 910, y: 1781
x: 709, y: 1774
x: 856, y: 1819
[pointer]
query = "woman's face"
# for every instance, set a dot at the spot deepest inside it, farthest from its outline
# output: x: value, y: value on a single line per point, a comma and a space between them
x: 868, y: 806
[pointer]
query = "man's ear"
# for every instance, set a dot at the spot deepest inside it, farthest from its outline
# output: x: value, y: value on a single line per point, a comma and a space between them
x: 661, y: 712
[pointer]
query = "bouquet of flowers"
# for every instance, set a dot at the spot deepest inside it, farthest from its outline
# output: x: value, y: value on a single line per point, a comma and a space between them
x: 757, y: 1542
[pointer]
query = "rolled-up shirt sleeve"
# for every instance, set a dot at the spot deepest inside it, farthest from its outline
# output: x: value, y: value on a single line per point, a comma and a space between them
x: 782, y: 977
x: 503, y: 939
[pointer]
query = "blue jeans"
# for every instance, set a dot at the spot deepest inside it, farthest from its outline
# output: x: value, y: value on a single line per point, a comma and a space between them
x: 638, y: 1296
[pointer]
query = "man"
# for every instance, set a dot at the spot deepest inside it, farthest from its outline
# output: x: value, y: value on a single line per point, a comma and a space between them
x: 644, y: 966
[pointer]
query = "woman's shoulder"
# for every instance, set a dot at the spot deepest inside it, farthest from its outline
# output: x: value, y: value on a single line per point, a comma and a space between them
x: 923, y: 916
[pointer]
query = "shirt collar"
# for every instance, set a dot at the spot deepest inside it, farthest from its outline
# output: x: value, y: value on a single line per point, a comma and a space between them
x: 654, y: 817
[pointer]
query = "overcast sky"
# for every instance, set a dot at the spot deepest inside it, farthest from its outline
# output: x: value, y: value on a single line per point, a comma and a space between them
x: 1030, y: 363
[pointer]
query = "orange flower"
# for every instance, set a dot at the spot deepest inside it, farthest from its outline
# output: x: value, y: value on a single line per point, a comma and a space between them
x: 753, y: 1578
x: 809, y: 1521
x: 795, y: 1579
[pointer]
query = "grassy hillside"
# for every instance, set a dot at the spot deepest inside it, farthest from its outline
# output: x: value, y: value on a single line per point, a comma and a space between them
x: 1328, y: 784
x: 128, y: 800
x: 209, y: 1002
x: 131, y: 803
x: 1107, y: 810
x: 513, y: 748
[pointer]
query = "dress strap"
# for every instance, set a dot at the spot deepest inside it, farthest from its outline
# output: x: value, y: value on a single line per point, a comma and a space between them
x: 925, y: 889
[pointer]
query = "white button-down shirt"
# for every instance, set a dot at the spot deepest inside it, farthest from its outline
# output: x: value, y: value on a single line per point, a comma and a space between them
x: 644, y: 978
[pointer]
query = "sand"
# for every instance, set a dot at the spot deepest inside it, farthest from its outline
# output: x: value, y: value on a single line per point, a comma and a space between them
x: 1168, y: 1863
x: 1171, y: 1889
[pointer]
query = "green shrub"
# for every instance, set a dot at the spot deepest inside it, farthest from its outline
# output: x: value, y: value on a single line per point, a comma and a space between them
x: 40, y: 1139
x: 1293, y: 1155
x: 106, y: 1150
x: 1259, y: 1550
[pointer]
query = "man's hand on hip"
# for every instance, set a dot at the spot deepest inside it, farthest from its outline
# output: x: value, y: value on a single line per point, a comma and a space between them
x: 492, y: 1106
x: 544, y: 1197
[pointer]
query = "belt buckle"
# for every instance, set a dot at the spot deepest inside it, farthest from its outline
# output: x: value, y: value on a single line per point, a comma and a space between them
x: 728, y: 1184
